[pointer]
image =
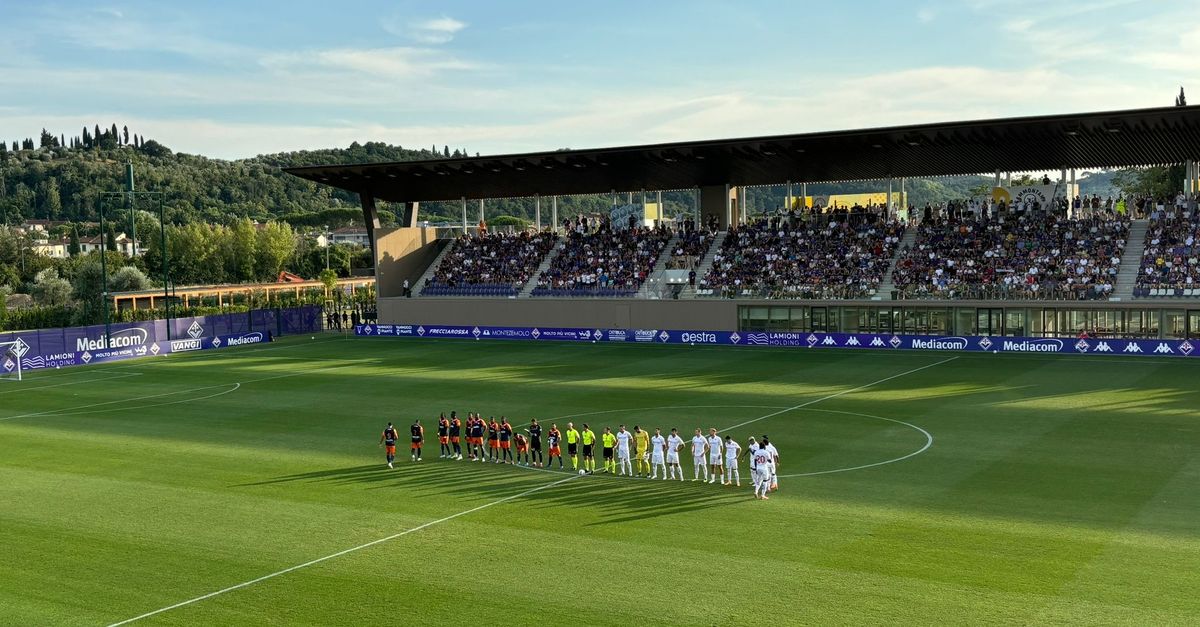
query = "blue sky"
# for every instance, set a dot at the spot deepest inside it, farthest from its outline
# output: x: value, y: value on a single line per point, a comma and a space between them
x: 235, y: 79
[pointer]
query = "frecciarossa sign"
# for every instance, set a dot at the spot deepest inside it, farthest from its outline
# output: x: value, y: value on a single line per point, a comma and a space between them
x: 877, y: 341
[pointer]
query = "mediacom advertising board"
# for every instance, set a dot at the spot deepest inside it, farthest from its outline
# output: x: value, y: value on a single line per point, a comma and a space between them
x: 932, y: 343
x: 96, y: 351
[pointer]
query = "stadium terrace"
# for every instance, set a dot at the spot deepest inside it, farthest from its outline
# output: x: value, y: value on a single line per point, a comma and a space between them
x: 1038, y: 261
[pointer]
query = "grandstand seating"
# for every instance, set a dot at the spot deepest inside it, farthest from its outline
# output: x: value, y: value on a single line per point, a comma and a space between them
x: 489, y: 264
x: 833, y: 256
x: 605, y: 262
x: 1170, y: 264
x: 1028, y: 256
x: 690, y: 248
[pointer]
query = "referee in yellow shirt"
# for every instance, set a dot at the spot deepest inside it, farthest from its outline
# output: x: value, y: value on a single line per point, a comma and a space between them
x: 608, y: 440
x: 589, y: 442
x: 573, y: 445
x: 641, y: 441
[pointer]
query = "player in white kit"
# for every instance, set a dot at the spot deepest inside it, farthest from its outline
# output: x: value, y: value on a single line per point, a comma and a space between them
x: 716, y: 468
x: 674, y: 443
x: 732, y: 474
x: 751, y: 449
x: 657, y: 444
x: 623, y: 439
x: 764, y: 470
x: 766, y: 444
x: 699, y: 446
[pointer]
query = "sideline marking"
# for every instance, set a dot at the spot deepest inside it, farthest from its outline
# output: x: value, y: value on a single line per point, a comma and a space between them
x: 344, y: 552
x: 115, y: 375
x: 71, y: 411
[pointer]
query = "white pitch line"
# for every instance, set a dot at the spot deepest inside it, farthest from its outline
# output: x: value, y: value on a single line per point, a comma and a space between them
x: 343, y: 552
x: 837, y: 394
x: 118, y: 375
x: 64, y: 411
x: 73, y: 411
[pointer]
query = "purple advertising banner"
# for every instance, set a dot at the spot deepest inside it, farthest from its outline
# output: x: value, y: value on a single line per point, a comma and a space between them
x: 932, y: 343
x: 55, y: 348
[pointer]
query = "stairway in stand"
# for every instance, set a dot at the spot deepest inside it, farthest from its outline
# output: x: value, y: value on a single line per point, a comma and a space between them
x: 706, y: 263
x: 660, y: 267
x: 527, y: 289
x: 1131, y: 261
x: 432, y: 269
x: 884, y: 292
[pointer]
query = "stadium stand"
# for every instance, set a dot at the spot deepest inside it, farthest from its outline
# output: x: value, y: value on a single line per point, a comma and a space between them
x: 489, y: 264
x: 1027, y: 256
x: 836, y: 255
x: 603, y: 262
x: 690, y: 247
x: 1170, y: 264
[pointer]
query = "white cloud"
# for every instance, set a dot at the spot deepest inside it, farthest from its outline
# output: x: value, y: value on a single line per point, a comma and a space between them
x: 438, y: 30
x: 392, y: 63
x: 926, y: 15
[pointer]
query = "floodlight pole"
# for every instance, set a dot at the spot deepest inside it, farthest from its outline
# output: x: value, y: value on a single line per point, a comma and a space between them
x: 104, y: 274
x: 166, y: 255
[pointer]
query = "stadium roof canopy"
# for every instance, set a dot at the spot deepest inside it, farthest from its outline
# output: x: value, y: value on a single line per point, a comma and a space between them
x: 1139, y: 137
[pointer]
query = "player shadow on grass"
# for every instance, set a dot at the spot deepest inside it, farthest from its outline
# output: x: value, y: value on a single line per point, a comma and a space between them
x: 612, y: 499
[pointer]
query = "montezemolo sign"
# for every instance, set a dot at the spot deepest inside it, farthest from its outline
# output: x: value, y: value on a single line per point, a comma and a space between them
x: 118, y: 339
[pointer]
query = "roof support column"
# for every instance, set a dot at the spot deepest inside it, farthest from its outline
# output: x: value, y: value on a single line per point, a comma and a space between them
x: 370, y: 218
x: 903, y: 208
x: 554, y: 212
x: 891, y: 208
x: 481, y: 222
x: 804, y: 195
x: 464, y: 212
x: 996, y: 181
x: 788, y: 202
x: 728, y: 207
x: 1071, y: 203
x: 410, y: 214
x: 537, y: 211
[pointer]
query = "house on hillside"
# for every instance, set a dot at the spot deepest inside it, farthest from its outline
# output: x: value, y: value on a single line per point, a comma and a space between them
x: 124, y: 245
x: 350, y: 235
x: 55, y: 249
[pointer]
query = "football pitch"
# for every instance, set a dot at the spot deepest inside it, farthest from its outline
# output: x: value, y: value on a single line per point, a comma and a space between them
x: 246, y: 486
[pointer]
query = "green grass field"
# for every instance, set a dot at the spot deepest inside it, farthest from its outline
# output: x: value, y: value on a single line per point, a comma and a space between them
x: 1056, y: 490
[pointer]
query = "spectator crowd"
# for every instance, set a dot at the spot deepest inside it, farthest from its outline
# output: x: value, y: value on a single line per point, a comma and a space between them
x: 598, y: 260
x: 1027, y: 256
x: 1171, y: 259
x: 836, y: 255
x: 489, y: 264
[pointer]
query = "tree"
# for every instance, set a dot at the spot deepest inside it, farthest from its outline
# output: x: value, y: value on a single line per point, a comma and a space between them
x: 96, y: 141
x: 110, y: 237
x: 48, y: 199
x: 275, y: 245
x: 446, y: 151
x: 46, y: 140
x: 49, y: 290
x: 128, y: 279
x: 73, y: 247
x: 329, y: 278
x: 126, y: 131
x: 116, y: 135
x: 240, y: 251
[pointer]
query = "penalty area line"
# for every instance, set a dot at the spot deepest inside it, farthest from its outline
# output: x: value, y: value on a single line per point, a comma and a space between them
x: 344, y: 552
